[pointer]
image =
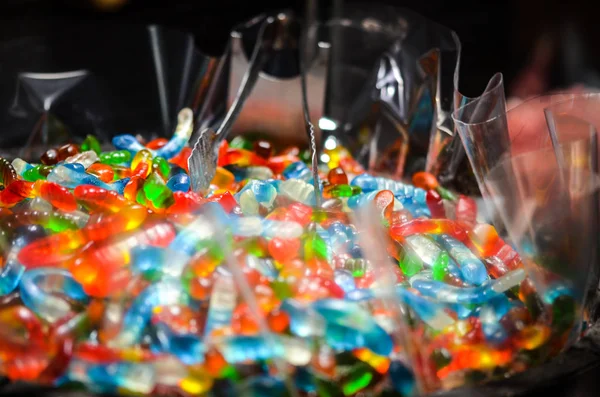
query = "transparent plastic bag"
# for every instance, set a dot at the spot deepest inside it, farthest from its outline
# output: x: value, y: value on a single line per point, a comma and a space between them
x: 482, y: 126
x: 397, y: 118
x: 389, y: 103
x: 537, y: 169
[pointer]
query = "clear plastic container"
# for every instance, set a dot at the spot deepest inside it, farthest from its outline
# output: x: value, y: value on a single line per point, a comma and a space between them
x: 537, y: 167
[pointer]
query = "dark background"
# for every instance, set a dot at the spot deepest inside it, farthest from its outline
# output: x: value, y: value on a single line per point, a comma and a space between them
x: 497, y: 35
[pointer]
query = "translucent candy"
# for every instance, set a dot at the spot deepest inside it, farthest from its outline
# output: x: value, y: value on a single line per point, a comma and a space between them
x: 122, y: 172
x: 337, y: 176
x: 282, y: 249
x: 263, y: 148
x: 114, y: 255
x: 298, y: 190
x: 315, y: 247
x: 223, y: 178
x: 13, y: 270
x: 186, y: 347
x: 129, y: 218
x: 99, y: 199
x: 341, y: 191
x: 15, y: 193
x: 20, y: 166
x: 425, y: 249
x: 115, y: 157
x: 472, y: 269
x: 51, y: 250
x: 127, y: 143
x: 72, y: 177
x: 430, y: 226
x: 37, y: 172
x: 345, y: 280
x: 282, y: 229
x: 469, y: 295
x: 161, y: 166
x: 91, y: 143
x: 304, y: 321
x: 86, y: 159
x: 255, y: 194
x: 50, y: 157
x: 491, y: 315
x: 157, y: 143
x: 370, y: 183
x: 430, y: 312
x: 104, y: 172
x: 116, y: 276
x: 167, y: 292
x: 181, y: 136
x: 435, y: 204
x: 38, y: 287
x: 466, y: 210
x: 259, y: 172
x: 59, y: 196
x: 141, y: 165
x: 425, y: 180
x: 185, y: 202
x: 157, y: 192
x: 241, y: 142
x: 350, y: 327
x: 182, y: 158
x: 222, y: 303
x: 297, y: 170
x: 111, y: 377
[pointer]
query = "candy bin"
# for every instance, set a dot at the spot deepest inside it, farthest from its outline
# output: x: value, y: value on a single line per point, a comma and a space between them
x: 146, y: 251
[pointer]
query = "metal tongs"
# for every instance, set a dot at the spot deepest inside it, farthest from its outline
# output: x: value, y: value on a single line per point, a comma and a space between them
x: 203, y: 160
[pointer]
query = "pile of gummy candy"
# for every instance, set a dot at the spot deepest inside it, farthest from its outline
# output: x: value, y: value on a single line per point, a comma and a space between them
x: 115, y: 278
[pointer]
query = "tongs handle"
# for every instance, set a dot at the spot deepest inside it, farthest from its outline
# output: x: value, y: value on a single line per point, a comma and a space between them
x: 310, y: 129
x: 256, y: 64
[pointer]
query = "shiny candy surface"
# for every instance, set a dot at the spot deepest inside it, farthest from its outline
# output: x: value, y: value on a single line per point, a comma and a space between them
x: 116, y: 276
